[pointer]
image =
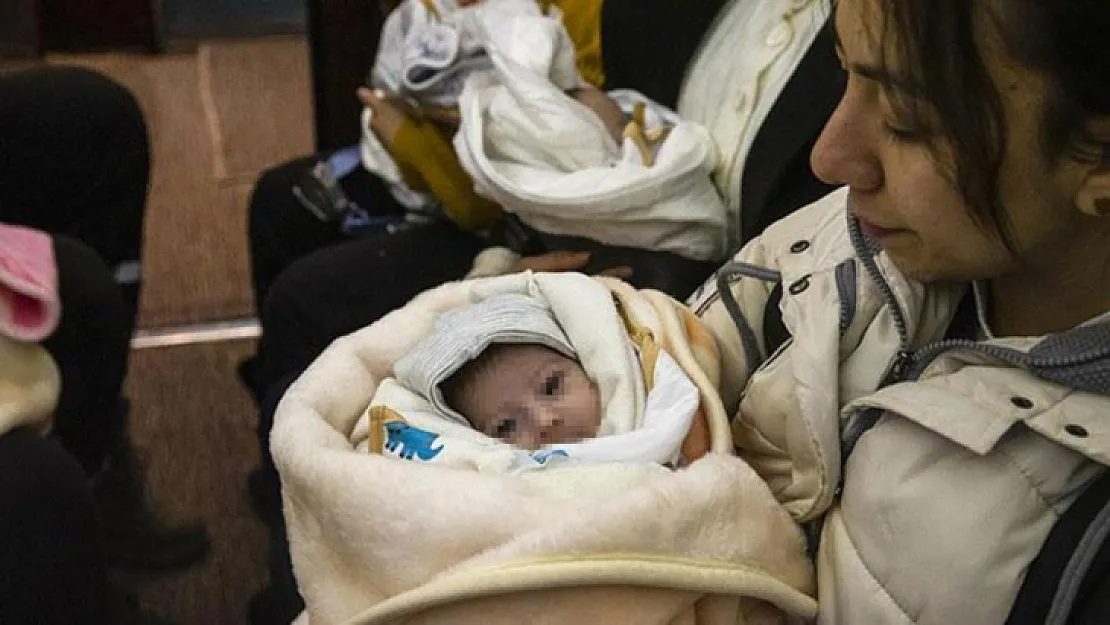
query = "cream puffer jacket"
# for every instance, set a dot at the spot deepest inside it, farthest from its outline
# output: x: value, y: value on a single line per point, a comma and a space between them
x: 962, y: 454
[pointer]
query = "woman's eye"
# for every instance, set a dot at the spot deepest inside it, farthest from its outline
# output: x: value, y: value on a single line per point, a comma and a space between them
x: 504, y: 428
x: 904, y: 132
x: 552, y: 384
x: 906, y: 119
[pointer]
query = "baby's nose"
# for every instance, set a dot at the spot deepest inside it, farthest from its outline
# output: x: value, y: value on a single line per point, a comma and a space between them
x: 549, y: 425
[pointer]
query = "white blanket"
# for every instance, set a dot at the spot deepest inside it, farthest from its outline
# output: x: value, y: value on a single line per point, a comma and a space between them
x: 428, y: 49
x: 375, y: 540
x: 549, y: 159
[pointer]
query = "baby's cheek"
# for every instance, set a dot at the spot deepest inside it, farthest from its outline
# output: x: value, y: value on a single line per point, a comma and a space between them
x: 581, y: 413
x: 596, y: 395
x: 595, y: 409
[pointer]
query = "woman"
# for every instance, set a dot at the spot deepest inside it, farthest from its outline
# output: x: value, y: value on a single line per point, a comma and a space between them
x: 941, y: 397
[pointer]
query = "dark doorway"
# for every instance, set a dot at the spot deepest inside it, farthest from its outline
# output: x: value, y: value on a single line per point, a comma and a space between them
x: 19, y: 29
x: 198, y: 19
x: 343, y: 35
x: 143, y: 25
x: 73, y: 25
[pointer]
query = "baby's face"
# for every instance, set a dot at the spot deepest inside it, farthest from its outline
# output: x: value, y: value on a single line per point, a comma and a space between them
x: 532, y: 396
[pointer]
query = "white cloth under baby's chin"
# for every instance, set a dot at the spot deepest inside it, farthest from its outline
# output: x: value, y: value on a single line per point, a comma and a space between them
x: 657, y: 439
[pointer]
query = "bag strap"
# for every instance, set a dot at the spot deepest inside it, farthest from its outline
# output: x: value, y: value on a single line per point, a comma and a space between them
x: 1072, y: 560
x: 1081, y: 570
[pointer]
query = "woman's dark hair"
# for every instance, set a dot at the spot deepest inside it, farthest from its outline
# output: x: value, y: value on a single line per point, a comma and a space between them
x: 934, y: 44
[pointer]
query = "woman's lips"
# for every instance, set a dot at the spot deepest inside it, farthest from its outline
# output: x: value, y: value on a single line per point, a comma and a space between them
x: 876, y: 232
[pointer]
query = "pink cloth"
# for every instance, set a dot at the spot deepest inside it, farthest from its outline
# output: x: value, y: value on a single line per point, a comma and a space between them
x: 29, y: 306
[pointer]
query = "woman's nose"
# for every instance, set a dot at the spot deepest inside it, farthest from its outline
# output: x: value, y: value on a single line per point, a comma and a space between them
x: 844, y: 153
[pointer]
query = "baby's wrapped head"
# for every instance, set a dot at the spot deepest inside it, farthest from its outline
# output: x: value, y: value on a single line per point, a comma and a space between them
x: 504, y: 367
x: 527, y: 395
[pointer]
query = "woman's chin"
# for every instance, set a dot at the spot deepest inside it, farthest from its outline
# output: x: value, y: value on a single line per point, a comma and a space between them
x: 915, y: 268
x: 929, y: 271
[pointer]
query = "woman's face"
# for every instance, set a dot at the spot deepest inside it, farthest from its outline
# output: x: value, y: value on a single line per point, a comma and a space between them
x: 902, y: 190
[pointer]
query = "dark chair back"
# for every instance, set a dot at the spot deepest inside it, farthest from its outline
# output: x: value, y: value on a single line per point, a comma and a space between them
x: 343, y: 40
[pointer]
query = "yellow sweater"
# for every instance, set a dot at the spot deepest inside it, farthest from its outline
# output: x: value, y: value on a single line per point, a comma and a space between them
x: 423, y: 150
x: 582, y: 19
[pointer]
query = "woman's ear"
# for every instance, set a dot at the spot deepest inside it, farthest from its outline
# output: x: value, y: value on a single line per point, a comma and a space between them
x: 1093, y: 197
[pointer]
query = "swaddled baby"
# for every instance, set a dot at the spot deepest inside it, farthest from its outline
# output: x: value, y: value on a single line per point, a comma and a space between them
x: 518, y: 467
x: 504, y: 367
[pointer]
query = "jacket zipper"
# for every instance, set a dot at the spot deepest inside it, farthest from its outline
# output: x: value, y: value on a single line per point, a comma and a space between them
x: 910, y: 364
x: 904, y: 359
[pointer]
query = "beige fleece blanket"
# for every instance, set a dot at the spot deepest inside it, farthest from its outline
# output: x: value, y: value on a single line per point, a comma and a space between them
x: 378, y: 540
x: 29, y: 386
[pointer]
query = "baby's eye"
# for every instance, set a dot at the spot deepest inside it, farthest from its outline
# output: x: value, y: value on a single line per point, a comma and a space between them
x: 552, y: 384
x: 504, y: 428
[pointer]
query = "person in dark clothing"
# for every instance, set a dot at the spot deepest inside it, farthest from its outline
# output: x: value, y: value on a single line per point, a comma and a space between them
x: 74, y: 163
x: 51, y: 565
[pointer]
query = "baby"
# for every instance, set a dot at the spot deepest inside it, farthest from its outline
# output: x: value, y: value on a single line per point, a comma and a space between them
x: 505, y: 367
x: 526, y: 395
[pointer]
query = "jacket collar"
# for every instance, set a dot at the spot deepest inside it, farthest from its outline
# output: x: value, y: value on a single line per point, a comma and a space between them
x: 1078, y: 358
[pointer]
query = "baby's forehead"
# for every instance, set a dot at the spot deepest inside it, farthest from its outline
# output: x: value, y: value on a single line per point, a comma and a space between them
x: 523, y: 359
